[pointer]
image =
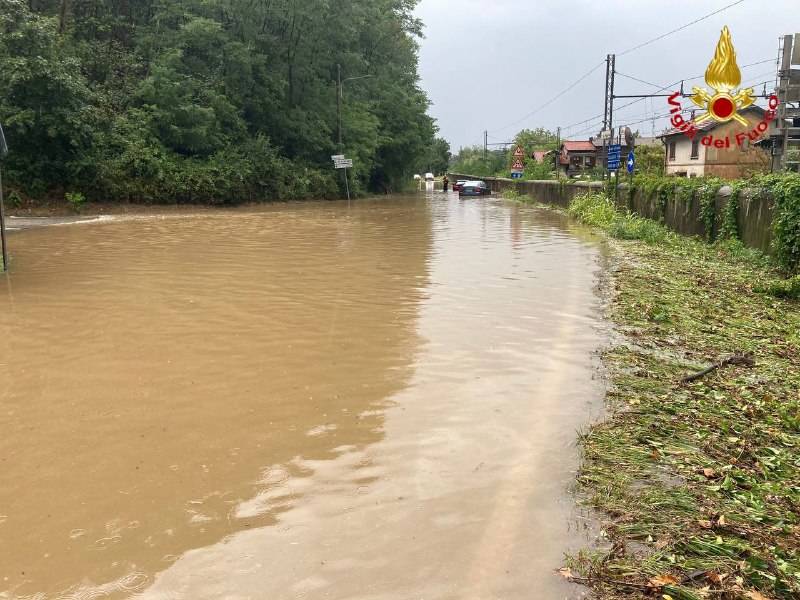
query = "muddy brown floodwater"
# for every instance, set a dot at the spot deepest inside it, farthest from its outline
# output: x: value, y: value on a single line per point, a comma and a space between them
x: 302, y: 401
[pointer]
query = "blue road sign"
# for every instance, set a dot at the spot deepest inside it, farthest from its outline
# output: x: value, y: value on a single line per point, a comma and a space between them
x: 631, y: 162
x: 517, y: 175
x: 614, y: 157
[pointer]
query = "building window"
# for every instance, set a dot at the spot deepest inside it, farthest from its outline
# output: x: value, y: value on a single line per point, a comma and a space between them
x: 695, y: 150
x: 672, y: 150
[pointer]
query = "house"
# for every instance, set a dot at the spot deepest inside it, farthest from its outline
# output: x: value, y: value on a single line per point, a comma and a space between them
x: 577, y: 157
x: 715, y: 151
x: 539, y: 155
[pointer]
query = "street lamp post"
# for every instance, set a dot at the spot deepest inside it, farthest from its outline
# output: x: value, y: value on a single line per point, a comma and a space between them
x: 339, y: 97
x: 3, y: 152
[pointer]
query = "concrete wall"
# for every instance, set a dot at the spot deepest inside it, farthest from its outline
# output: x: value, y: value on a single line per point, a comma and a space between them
x: 681, y: 215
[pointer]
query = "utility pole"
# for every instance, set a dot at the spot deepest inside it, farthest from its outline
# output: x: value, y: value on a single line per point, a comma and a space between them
x: 558, y: 152
x: 339, y: 120
x: 3, y: 227
x: 485, y: 144
x: 608, y: 109
x: 3, y: 152
x: 339, y: 102
x: 788, y: 91
x: 339, y: 98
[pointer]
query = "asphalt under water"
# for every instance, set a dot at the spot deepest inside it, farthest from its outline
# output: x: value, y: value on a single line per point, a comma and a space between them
x: 313, y: 400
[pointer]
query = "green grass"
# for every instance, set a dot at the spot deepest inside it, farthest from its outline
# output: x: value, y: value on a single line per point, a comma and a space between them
x: 704, y: 477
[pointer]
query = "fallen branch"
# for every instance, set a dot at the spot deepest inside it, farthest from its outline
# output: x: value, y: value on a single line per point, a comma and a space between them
x: 744, y: 360
x: 592, y: 580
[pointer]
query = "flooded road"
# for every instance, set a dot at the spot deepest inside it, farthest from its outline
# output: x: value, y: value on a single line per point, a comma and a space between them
x: 302, y: 401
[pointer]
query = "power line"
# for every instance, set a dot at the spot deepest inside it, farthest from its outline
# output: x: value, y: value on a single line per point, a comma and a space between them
x: 554, y: 98
x: 655, y: 85
x: 584, y: 121
x: 628, y: 51
x: 650, y: 118
x: 681, y: 28
x: 761, y: 62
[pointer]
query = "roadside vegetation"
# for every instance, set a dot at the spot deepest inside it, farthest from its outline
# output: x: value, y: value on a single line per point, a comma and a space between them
x: 696, y: 472
x: 497, y: 163
x: 210, y: 100
x: 783, y: 188
x: 494, y: 162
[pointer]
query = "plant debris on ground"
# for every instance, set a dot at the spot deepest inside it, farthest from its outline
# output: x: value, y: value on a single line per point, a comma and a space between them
x: 697, y: 479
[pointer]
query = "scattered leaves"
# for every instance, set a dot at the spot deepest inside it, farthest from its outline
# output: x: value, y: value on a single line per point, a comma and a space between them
x: 566, y: 573
x: 662, y: 580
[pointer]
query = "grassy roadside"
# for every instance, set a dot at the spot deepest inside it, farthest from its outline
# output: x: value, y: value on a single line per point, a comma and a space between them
x: 699, y: 483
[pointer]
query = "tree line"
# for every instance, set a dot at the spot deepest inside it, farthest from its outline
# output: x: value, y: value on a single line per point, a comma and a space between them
x: 472, y: 160
x: 210, y: 100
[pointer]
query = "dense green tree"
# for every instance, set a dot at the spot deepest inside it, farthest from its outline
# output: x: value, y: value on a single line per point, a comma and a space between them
x: 437, y: 160
x: 536, y: 139
x: 473, y: 161
x: 650, y: 160
x: 211, y: 100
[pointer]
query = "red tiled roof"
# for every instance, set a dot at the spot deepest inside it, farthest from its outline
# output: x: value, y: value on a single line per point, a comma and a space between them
x: 702, y: 128
x: 538, y: 155
x: 578, y: 146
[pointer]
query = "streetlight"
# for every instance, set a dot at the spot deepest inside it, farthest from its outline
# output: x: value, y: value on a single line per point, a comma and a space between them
x: 3, y: 152
x: 339, y: 96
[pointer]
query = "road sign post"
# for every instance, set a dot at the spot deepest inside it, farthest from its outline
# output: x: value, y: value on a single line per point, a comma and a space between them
x: 340, y: 162
x: 614, y: 156
x: 518, y: 166
x: 630, y: 165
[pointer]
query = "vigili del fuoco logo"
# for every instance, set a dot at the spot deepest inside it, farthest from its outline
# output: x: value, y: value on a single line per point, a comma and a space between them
x: 724, y: 102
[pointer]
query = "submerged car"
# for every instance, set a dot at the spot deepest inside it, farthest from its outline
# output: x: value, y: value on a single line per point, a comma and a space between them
x: 474, y: 188
x: 459, y: 185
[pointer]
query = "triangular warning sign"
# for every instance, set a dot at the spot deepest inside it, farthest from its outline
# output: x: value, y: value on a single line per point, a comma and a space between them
x: 519, y: 152
x: 518, y: 164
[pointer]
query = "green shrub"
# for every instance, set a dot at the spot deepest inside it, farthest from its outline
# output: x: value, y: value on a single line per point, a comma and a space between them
x: 76, y: 200
x: 14, y: 200
x: 783, y: 288
x: 632, y: 227
x: 598, y: 210
x: 786, y: 223
x: 593, y: 209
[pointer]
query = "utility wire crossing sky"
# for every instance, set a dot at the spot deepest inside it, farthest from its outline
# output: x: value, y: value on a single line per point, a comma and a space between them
x: 507, y: 65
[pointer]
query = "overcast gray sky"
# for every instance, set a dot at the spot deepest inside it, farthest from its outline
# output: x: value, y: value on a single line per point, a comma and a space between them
x: 487, y: 63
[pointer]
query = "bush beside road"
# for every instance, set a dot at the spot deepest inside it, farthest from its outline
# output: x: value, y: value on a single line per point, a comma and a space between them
x: 698, y: 482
